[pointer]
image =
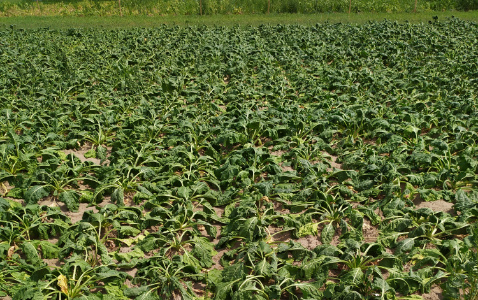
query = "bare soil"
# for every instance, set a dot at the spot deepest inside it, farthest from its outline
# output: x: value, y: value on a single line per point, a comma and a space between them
x: 310, y: 242
x: 334, y: 164
x: 438, y: 205
x: 80, y: 153
x: 286, y: 168
x: 278, y: 152
x: 436, y: 293
x: 370, y: 232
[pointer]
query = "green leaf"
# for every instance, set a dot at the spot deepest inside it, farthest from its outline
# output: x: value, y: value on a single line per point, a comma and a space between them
x: 462, y: 201
x: 49, y: 250
x: 135, y: 291
x: 128, y: 231
x: 35, y: 193
x: 353, y: 295
x: 233, y: 272
x: 381, y: 285
x: 31, y: 254
x: 183, y: 192
x: 264, y: 268
x: 86, y: 196
x: 101, y: 152
x: 405, y: 245
x: 328, y: 233
x: 224, y: 289
x: 16, y: 193
x: 354, y: 276
x: 312, y: 268
x: 248, y: 228
x: 204, y: 251
x: 214, y: 276
x: 135, y: 253
x: 71, y: 199
x: 290, y: 271
x: 118, y: 196
x: 90, y: 153
x: 115, y: 291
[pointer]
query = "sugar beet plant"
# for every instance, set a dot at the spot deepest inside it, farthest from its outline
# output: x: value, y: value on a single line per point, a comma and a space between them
x: 272, y: 162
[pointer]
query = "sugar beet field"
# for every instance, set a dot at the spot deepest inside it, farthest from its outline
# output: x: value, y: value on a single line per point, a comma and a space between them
x: 331, y: 161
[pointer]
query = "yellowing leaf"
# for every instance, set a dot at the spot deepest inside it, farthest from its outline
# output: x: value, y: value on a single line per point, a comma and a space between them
x: 63, y: 284
x: 10, y: 252
x: 308, y: 229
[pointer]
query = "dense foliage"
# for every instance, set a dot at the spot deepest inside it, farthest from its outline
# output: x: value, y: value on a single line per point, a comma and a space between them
x: 271, y: 162
x: 195, y: 7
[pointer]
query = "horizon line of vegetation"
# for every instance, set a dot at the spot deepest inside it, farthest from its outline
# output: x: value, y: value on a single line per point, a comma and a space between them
x: 211, y: 7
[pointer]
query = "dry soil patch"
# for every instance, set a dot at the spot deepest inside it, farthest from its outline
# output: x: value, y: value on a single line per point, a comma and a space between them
x: 437, y: 205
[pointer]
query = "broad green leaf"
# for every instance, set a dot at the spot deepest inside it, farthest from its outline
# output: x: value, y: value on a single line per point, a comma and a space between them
x: 128, y: 231
x: 71, y: 199
x: 328, y: 233
x: 118, y: 196
x: 135, y: 291
x: 31, y: 254
x: 135, y: 253
x: 354, y: 276
x: 35, y: 193
x: 405, y: 245
x: 100, y: 152
x: 49, y: 250
x: 204, y: 251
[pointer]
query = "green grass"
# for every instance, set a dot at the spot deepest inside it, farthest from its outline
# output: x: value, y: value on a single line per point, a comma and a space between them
x: 224, y: 20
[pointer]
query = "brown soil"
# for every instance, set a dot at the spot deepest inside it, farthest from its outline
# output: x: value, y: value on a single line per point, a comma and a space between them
x: 370, y: 142
x: 278, y: 236
x: 278, y: 152
x: 286, y: 168
x: 128, y: 199
x: 131, y: 272
x: 332, y: 161
x: 279, y: 207
x: 128, y: 283
x: 199, y: 289
x: 336, y: 240
x: 77, y: 216
x: 379, y: 212
x: 81, y: 155
x: 74, y: 216
x: 385, y: 274
x: 389, y: 251
x: 438, y: 205
x: 370, y: 232
x: 217, y: 258
x: 436, y: 293
x: 5, y: 187
x: 54, y: 262
x: 82, y: 151
x: 334, y: 273
x: 310, y: 242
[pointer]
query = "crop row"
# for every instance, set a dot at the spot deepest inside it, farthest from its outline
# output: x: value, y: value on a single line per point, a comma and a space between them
x: 273, y: 162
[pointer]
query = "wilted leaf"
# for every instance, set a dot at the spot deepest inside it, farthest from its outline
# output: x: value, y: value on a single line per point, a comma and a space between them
x: 63, y: 284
